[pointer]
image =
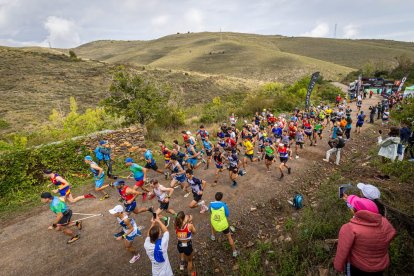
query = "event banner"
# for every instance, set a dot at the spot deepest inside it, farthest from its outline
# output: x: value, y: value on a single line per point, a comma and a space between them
x: 402, y: 84
x: 312, y: 83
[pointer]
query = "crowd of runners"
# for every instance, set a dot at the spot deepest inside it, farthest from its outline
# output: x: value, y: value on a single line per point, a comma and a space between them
x: 267, y: 140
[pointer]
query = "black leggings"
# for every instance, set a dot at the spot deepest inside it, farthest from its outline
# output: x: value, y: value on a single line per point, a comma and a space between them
x: 357, y: 272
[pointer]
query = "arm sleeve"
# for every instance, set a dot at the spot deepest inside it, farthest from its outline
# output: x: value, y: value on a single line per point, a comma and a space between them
x: 345, y: 242
x: 165, y: 240
x: 226, y: 209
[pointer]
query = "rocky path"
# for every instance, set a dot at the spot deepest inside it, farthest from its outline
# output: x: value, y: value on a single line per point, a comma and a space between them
x: 28, y: 248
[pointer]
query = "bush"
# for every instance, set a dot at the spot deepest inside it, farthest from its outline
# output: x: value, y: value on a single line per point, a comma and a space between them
x: 73, y: 56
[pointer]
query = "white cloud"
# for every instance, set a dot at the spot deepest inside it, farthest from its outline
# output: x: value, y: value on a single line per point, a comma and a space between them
x: 160, y: 20
x: 62, y: 32
x: 195, y: 20
x: 350, y: 31
x: 321, y: 30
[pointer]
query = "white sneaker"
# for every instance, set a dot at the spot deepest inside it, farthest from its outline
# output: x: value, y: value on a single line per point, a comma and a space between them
x: 204, y: 208
x: 187, y: 194
x: 134, y: 259
x: 326, y: 160
x: 235, y: 254
x: 140, y: 227
x: 297, y: 156
x: 213, y: 238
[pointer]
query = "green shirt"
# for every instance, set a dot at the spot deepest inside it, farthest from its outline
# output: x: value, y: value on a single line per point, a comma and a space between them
x: 269, y: 151
x: 58, y: 206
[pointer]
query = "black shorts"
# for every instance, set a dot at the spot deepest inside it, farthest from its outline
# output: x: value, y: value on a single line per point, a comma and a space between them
x: 187, y: 250
x: 250, y: 156
x: 270, y: 158
x: 234, y: 169
x: 164, y: 206
x: 66, y: 218
x: 299, y: 144
x: 197, y: 197
x: 226, y: 231
x: 151, y: 166
x: 209, y: 152
x: 284, y: 159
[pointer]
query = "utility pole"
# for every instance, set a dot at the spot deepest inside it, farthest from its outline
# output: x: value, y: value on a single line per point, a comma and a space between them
x: 50, y: 45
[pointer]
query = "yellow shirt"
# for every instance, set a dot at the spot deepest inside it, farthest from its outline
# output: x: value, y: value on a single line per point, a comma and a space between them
x: 328, y: 111
x: 249, y: 147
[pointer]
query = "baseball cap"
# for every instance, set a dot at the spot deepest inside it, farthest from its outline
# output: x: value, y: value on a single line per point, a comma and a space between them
x: 360, y: 204
x: 46, y: 195
x: 119, y: 182
x: 116, y: 209
x: 102, y: 142
x: 129, y: 160
x: 88, y: 157
x: 369, y: 191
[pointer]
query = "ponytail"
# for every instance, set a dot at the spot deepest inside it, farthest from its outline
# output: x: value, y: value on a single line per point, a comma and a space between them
x: 179, y: 219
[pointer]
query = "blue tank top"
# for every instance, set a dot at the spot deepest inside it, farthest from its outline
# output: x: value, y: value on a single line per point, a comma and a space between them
x: 158, y: 256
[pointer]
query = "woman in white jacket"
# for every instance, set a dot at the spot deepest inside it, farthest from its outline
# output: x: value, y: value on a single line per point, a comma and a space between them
x: 389, y: 146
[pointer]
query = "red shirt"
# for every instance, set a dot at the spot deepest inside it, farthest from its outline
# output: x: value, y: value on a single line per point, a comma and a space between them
x: 124, y: 195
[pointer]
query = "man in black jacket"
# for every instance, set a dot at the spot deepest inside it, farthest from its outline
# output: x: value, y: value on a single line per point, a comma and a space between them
x: 338, y: 143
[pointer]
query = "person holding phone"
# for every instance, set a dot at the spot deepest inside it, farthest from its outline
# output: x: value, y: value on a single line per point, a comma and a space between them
x: 184, y: 228
x: 163, y: 195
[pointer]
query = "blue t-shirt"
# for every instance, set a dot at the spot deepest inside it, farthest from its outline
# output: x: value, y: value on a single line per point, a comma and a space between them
x: 207, y: 145
x: 361, y: 118
x: 148, y: 156
x: 217, y: 205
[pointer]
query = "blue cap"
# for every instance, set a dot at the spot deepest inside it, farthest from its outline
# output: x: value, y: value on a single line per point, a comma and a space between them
x: 129, y: 160
x: 88, y: 157
x: 102, y: 142
x: 119, y: 182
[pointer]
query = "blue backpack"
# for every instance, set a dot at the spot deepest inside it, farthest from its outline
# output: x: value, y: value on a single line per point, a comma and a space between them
x: 298, y: 201
x: 98, y: 154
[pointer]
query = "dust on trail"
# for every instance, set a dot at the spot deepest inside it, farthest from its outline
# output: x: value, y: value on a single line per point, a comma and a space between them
x: 28, y: 248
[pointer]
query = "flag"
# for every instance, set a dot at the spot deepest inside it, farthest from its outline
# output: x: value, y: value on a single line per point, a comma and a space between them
x: 312, y: 83
x: 402, y: 84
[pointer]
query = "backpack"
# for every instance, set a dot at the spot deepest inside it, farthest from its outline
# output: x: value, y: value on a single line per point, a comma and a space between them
x: 341, y: 143
x: 98, y: 154
x: 298, y: 201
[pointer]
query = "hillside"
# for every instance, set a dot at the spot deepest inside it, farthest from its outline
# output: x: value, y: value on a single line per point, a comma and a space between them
x: 35, y: 80
x: 248, y: 55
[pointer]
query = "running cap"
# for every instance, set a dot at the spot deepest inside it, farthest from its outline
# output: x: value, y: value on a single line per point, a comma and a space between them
x: 46, y: 195
x: 188, y: 132
x: 360, y: 204
x: 369, y: 191
x: 119, y: 182
x: 103, y: 142
x: 116, y: 209
x: 88, y: 157
x: 281, y: 145
x: 129, y: 160
x: 47, y: 171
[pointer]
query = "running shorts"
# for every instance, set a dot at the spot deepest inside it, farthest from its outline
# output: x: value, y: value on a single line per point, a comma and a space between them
x: 185, y: 247
x: 130, y: 207
x: 270, y: 158
x: 139, y: 183
x: 209, y: 152
x: 99, y: 182
x: 152, y: 166
x: 164, y: 205
x: 66, y: 218
x: 197, y: 197
x: 284, y: 159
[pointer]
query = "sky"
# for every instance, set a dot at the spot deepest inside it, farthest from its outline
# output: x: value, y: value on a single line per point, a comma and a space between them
x: 70, y: 23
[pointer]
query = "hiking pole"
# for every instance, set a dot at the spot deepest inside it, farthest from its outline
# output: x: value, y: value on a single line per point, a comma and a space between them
x: 82, y: 214
x: 100, y: 215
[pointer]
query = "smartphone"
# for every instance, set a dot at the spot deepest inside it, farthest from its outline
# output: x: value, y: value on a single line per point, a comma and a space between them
x: 341, y: 191
x: 154, y: 215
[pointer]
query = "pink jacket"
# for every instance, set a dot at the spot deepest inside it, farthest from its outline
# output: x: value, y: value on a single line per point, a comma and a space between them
x: 364, y: 242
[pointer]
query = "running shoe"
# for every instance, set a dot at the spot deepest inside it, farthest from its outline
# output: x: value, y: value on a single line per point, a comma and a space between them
x: 144, y: 196
x: 89, y: 196
x: 152, y: 196
x: 182, y: 265
x: 140, y: 227
x: 167, y: 221
x: 326, y: 160
x: 235, y: 254
x: 203, y: 161
x: 213, y: 238
x: 134, y: 259
x: 79, y: 225
x: 117, y: 235
x: 75, y: 238
x: 234, y: 184
x: 297, y: 156
x: 187, y: 194
x: 204, y: 209
x: 104, y: 197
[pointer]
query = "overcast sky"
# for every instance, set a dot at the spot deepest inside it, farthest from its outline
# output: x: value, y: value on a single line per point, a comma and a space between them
x: 69, y: 23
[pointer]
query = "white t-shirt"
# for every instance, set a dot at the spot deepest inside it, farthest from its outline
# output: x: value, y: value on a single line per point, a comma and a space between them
x: 159, y: 269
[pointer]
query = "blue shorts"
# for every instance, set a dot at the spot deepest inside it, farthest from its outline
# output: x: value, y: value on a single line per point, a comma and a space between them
x: 130, y: 207
x: 180, y: 178
x: 192, y: 162
x: 65, y: 192
x: 99, y: 182
x: 132, y: 237
x: 359, y: 124
x: 219, y: 166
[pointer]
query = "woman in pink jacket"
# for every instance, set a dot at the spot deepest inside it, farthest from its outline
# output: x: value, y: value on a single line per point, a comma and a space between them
x: 363, y: 242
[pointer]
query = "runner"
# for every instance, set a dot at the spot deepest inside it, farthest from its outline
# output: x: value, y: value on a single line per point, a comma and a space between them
x: 218, y: 160
x: 167, y: 157
x: 164, y: 199
x: 156, y: 246
x: 308, y: 130
x: 284, y: 154
x: 185, y: 230
x: 192, y: 156
x: 317, y: 132
x: 129, y: 231
x: 269, y: 153
x: 128, y: 196
x: 103, y: 154
x: 63, y: 215
x: 197, y: 187
x: 208, y: 149
x: 234, y: 163
x: 140, y: 176
x: 299, y: 139
x: 360, y: 122
x: 219, y: 223
x: 385, y: 117
x: 203, y: 133
x: 178, y: 175
x: 249, y: 152
x: 348, y: 127
x: 150, y: 161
x: 63, y: 187
x: 98, y: 176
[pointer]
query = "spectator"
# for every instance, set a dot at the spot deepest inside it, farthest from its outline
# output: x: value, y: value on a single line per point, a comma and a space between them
x: 372, y: 193
x: 405, y: 133
x: 337, y: 145
x: 372, y: 112
x: 363, y: 242
x: 389, y: 146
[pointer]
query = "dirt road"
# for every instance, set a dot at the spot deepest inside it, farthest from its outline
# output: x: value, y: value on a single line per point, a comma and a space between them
x: 28, y: 248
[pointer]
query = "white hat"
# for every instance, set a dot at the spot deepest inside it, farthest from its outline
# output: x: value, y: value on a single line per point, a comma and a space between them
x: 188, y: 132
x: 369, y: 191
x: 116, y: 209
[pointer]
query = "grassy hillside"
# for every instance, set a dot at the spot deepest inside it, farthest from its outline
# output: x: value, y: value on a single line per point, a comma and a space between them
x: 248, y: 55
x: 35, y: 80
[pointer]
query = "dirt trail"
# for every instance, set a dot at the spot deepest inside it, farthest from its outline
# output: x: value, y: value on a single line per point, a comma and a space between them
x: 30, y: 249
